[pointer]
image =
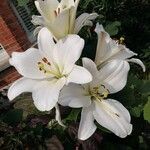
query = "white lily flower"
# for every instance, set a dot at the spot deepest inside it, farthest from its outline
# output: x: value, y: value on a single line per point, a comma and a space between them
x: 46, y: 70
x: 108, y: 49
x: 60, y: 18
x: 93, y: 97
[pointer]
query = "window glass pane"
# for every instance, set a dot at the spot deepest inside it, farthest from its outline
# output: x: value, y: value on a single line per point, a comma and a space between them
x: 23, y: 14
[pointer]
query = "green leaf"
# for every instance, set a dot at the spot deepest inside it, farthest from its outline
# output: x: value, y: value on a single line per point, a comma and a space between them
x: 22, y: 2
x: 112, y: 28
x: 13, y: 116
x: 147, y: 110
x: 73, y: 115
x: 136, y: 111
x: 26, y: 104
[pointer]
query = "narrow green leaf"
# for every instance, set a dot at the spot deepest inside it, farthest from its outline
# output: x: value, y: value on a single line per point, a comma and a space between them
x: 147, y: 110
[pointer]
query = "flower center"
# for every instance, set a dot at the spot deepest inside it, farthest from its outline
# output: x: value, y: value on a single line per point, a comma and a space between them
x: 45, y: 66
x: 99, y: 93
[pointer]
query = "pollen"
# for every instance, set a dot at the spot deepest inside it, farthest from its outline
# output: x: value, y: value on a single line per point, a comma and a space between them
x: 121, y: 40
x: 46, y: 61
x: 99, y: 93
x: 43, y: 65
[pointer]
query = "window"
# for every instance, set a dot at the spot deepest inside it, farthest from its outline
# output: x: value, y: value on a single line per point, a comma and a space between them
x: 4, y: 58
x: 23, y: 14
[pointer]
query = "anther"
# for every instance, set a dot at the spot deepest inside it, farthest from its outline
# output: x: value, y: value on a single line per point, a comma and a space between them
x: 117, y: 115
x: 58, y: 10
x: 49, y: 63
x: 55, y: 12
x: 45, y: 60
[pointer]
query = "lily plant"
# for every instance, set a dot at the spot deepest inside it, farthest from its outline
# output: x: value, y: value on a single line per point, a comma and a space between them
x: 108, y: 49
x: 94, y: 98
x: 60, y: 17
x: 46, y: 70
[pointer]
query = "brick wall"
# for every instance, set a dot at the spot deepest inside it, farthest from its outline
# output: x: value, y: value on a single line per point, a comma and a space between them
x: 12, y: 37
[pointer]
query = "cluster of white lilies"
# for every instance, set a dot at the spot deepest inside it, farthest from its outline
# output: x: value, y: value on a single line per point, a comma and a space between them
x: 52, y: 76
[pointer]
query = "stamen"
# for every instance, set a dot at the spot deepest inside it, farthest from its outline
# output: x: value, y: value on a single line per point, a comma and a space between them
x: 117, y: 115
x: 55, y: 12
x: 45, y: 60
x: 58, y: 10
x: 121, y: 40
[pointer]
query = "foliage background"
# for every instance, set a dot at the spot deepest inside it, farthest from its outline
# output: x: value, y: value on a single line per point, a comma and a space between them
x: 24, y: 127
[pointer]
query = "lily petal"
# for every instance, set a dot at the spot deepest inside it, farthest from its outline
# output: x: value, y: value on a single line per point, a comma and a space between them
x: 46, y: 8
x: 26, y: 63
x: 46, y: 43
x: 46, y: 93
x: 109, y: 116
x: 90, y: 66
x: 114, y: 75
x: 67, y: 4
x: 103, y: 48
x: 123, y: 53
x: 38, y: 20
x: 73, y: 12
x: 54, y: 27
x: 79, y: 75
x: 84, y: 19
x: 58, y: 116
x: 137, y: 61
x: 73, y: 95
x: 108, y: 49
x: 36, y: 30
x: 87, y: 126
x: 20, y: 86
x: 67, y: 51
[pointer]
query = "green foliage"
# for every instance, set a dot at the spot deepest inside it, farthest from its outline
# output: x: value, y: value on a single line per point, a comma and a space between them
x: 13, y: 117
x: 23, y: 127
x: 22, y: 2
x: 136, y: 111
x: 27, y: 106
x: 113, y: 27
x: 73, y: 115
x: 147, y: 110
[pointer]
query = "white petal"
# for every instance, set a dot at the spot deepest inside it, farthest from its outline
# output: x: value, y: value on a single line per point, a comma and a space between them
x: 73, y: 95
x: 67, y: 51
x: 114, y: 75
x: 103, y: 47
x: 139, y: 62
x: 87, y: 126
x: 108, y: 49
x: 46, y: 8
x: 46, y: 43
x: 90, y: 66
x: 73, y: 12
x: 26, y: 63
x: 54, y: 27
x: 58, y: 116
x: 123, y: 53
x: 37, y: 20
x: 36, y: 30
x: 79, y: 75
x: 84, y: 19
x: 45, y: 94
x: 20, y: 86
x: 109, y: 116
